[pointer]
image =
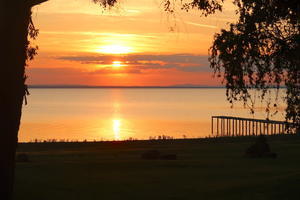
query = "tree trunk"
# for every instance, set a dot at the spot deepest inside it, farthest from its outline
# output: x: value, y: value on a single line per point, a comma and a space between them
x: 14, y: 20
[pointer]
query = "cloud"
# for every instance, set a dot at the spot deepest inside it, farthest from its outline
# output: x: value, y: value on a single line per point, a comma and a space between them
x: 90, y: 33
x: 182, y: 58
x: 137, y: 63
x: 61, y: 71
x: 202, y: 25
x: 114, y: 71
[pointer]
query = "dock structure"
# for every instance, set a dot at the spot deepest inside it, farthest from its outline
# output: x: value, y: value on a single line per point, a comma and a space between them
x: 227, y: 126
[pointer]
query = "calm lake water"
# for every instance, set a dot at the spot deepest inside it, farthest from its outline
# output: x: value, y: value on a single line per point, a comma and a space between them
x: 120, y: 114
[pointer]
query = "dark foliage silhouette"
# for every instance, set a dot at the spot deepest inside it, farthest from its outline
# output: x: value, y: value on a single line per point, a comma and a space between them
x: 16, y: 29
x: 260, y: 149
x: 258, y: 53
x: 261, y: 51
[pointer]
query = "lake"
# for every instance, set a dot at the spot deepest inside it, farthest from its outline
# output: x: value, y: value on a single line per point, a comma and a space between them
x: 126, y: 113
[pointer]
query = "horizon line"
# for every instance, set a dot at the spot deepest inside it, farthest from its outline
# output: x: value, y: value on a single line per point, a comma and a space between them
x: 62, y: 86
x: 120, y: 86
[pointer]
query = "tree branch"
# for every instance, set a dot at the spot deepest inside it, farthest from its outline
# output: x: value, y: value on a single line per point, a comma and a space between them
x: 32, y: 3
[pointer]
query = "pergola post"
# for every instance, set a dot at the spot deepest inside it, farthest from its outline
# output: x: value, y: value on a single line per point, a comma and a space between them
x: 212, y: 126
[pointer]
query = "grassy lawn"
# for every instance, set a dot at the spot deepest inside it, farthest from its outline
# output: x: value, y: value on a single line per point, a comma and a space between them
x: 205, y: 169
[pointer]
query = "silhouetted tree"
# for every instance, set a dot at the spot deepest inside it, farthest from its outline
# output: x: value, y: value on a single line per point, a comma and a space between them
x: 261, y: 51
x: 16, y: 27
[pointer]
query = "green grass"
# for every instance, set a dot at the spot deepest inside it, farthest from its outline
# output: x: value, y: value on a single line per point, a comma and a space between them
x: 205, y: 169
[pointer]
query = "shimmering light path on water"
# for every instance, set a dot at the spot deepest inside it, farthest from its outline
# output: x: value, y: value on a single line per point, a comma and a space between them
x: 119, y: 114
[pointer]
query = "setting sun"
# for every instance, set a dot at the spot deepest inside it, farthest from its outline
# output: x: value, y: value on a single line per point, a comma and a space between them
x: 114, y: 49
x: 117, y: 64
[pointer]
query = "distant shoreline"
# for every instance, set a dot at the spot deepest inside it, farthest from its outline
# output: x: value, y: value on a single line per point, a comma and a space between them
x: 121, y: 87
x: 126, y: 87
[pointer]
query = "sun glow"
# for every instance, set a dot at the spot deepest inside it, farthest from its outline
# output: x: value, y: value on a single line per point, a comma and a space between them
x: 114, y: 49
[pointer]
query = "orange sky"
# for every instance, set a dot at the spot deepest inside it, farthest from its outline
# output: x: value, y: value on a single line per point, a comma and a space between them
x: 130, y: 45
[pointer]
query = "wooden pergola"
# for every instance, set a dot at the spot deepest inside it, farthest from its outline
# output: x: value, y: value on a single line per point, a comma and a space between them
x: 225, y: 126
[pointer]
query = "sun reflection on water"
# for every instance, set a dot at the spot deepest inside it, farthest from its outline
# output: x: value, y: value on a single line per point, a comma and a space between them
x: 116, y: 129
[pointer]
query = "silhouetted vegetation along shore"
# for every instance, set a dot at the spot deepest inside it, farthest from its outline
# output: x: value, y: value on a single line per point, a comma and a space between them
x: 167, y: 139
x: 76, y: 170
x: 187, y: 86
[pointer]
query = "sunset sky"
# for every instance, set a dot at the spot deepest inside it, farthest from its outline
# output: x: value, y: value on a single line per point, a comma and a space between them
x: 134, y: 44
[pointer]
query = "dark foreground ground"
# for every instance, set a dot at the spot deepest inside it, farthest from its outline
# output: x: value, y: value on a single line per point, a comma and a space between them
x: 205, y: 169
